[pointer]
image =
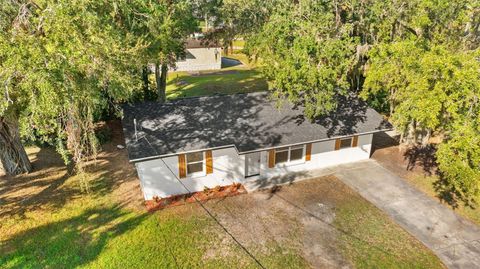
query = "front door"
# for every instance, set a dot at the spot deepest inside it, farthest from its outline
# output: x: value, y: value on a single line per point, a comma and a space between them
x: 252, y: 164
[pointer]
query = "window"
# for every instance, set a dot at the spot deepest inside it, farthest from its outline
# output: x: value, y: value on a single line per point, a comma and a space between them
x: 296, y: 153
x: 195, y: 163
x: 346, y: 143
x: 289, y: 154
x: 281, y: 155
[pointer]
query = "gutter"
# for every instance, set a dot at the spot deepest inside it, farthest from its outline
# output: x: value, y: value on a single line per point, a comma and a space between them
x: 252, y: 151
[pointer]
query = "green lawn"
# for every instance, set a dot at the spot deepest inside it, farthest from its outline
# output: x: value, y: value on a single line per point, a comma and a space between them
x: 236, y: 79
x: 239, y: 43
x: 46, y: 222
x: 373, y: 240
x: 181, y: 84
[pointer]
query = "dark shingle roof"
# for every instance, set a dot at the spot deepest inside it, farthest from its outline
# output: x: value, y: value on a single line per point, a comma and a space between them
x: 249, y: 121
x: 193, y: 43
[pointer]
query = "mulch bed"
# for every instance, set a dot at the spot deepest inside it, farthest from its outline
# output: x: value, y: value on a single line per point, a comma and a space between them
x: 181, y: 199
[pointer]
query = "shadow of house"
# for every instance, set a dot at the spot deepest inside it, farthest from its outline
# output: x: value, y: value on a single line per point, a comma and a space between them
x: 71, y: 242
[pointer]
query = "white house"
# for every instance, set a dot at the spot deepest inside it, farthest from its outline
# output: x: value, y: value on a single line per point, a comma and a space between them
x: 189, y: 144
x: 200, y: 55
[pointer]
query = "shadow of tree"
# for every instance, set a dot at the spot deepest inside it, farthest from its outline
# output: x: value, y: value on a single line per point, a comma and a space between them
x: 423, y: 156
x: 230, y: 62
x: 52, y: 184
x: 44, y: 187
x: 68, y: 243
x: 248, y: 121
x: 216, y: 82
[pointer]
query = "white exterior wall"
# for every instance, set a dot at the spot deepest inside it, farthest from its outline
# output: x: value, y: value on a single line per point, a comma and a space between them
x: 201, y: 59
x: 159, y: 177
x: 323, y: 155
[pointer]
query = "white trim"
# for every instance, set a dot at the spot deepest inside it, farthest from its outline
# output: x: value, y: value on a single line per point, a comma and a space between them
x: 288, y: 162
x: 251, y: 151
x: 196, y: 174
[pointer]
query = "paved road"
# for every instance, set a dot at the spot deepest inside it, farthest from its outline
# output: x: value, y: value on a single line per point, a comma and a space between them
x: 455, y: 240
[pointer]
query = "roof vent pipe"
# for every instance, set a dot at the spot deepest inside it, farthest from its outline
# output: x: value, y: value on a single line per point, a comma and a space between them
x: 135, y: 127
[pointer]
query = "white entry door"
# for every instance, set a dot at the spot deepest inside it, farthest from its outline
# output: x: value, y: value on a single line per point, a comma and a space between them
x: 252, y: 164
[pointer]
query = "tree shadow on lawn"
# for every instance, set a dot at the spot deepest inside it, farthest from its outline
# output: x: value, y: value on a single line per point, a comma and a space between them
x: 222, y: 82
x: 68, y: 243
x: 424, y: 157
x: 52, y: 184
x: 416, y: 162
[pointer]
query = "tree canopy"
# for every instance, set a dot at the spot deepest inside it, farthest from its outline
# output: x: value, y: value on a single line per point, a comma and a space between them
x: 416, y: 61
x: 64, y: 63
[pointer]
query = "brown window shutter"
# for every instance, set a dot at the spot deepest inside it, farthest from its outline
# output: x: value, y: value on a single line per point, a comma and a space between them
x: 355, y: 141
x: 182, y: 169
x: 308, y: 152
x: 209, y: 159
x: 271, y: 158
x: 337, y: 144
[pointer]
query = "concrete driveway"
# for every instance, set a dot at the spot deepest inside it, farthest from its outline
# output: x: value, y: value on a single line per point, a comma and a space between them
x: 455, y: 240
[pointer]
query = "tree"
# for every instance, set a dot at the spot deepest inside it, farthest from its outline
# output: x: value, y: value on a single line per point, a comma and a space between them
x: 236, y: 18
x: 427, y: 89
x: 459, y: 159
x: 61, y: 64
x: 164, y: 25
x: 305, y: 56
x: 416, y: 61
x: 206, y: 10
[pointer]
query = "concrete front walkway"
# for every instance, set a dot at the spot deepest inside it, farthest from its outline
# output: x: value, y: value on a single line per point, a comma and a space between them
x: 455, y: 240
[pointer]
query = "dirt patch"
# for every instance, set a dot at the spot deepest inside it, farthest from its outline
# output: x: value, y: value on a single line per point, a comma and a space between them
x: 403, y: 162
x: 52, y: 184
x: 299, y: 216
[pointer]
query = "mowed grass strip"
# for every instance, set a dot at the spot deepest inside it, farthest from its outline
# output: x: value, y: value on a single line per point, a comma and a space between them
x: 182, y: 84
x: 242, y: 78
x: 370, y: 239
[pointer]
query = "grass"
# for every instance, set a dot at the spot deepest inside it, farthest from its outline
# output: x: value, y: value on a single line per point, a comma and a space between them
x: 239, y: 43
x: 372, y: 240
x: 236, y: 79
x: 46, y: 222
x: 427, y: 184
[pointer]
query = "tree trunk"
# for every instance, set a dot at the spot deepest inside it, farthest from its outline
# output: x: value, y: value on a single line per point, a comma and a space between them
x: 426, y: 134
x: 161, y: 79
x: 412, y: 134
x: 12, y: 153
x: 206, y: 22
x: 146, y: 93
